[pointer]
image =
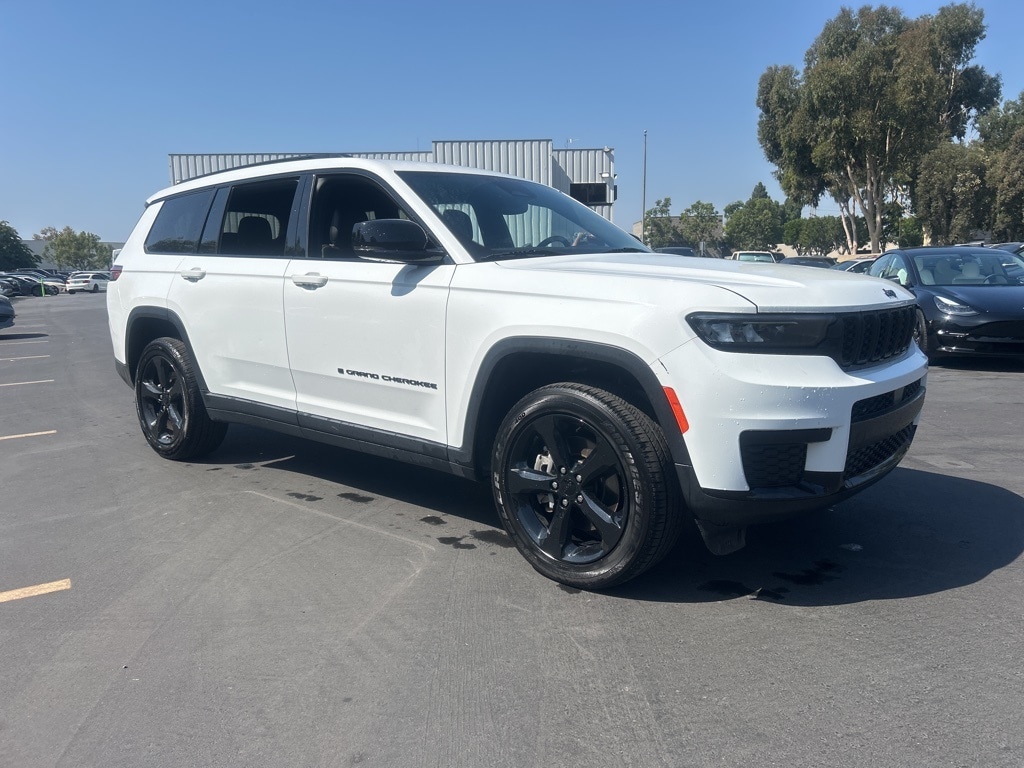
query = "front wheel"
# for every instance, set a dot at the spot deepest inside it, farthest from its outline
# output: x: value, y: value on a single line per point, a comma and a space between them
x: 921, y: 333
x: 169, y: 404
x: 583, y: 484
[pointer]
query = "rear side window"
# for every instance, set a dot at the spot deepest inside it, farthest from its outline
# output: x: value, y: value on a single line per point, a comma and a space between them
x: 179, y: 223
x: 255, y: 221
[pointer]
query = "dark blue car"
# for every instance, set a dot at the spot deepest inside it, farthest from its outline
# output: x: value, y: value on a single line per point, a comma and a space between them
x: 970, y: 300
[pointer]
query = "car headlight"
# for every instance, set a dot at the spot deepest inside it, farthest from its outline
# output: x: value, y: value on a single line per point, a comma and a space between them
x: 761, y: 333
x: 950, y: 307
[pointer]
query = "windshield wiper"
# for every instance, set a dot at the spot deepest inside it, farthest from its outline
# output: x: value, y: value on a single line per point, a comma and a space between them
x: 516, y: 253
x: 628, y: 249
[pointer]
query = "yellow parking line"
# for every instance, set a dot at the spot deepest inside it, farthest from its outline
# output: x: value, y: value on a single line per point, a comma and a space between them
x: 19, y: 383
x: 38, y: 589
x: 28, y: 434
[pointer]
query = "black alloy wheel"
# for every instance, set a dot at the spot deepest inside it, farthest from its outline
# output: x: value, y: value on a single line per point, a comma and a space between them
x: 584, y: 485
x: 169, y: 404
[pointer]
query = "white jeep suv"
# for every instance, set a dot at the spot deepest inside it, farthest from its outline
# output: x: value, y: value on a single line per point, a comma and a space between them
x: 497, y: 329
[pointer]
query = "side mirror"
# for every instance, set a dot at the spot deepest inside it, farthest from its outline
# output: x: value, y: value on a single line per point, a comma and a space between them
x: 393, y: 240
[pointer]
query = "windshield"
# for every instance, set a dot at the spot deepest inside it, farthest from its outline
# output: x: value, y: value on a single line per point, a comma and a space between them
x: 974, y: 267
x: 497, y: 217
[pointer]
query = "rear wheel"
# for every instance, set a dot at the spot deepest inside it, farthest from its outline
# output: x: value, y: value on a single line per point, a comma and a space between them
x: 95, y: 288
x: 169, y: 405
x: 583, y: 484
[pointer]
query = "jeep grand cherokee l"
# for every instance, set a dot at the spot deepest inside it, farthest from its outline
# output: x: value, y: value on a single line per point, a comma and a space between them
x: 495, y: 328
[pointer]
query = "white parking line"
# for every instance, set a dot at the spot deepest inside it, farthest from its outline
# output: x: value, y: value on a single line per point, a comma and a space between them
x: 29, y: 357
x: 38, y: 589
x: 35, y: 341
x: 19, y: 383
x: 29, y: 434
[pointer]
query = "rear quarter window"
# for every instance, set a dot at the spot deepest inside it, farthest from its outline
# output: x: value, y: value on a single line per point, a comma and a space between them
x: 179, y: 223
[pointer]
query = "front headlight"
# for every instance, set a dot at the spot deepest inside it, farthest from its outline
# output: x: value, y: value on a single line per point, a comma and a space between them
x: 761, y: 333
x: 950, y: 307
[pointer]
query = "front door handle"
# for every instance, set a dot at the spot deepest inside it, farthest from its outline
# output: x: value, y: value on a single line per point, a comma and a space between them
x: 310, y: 281
x: 193, y: 275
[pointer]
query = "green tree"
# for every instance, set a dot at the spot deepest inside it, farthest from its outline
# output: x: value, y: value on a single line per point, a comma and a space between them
x: 74, y: 250
x: 1007, y: 181
x: 997, y: 127
x: 659, y: 228
x: 756, y: 224
x: 14, y: 254
x: 950, y: 194
x: 700, y: 224
x: 877, y: 92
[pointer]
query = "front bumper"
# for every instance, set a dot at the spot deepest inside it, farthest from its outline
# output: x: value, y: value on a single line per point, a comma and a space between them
x: 774, y: 436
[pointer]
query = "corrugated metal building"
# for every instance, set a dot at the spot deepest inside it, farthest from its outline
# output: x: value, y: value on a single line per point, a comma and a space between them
x: 588, y: 175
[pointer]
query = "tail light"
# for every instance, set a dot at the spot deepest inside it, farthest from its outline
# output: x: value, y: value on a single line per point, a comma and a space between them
x: 115, y: 272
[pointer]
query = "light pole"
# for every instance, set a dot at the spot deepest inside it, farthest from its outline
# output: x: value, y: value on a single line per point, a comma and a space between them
x: 643, y: 197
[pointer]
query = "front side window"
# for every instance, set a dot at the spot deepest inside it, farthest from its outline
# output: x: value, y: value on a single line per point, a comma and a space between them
x: 340, y: 201
x: 179, y: 223
x: 498, y: 218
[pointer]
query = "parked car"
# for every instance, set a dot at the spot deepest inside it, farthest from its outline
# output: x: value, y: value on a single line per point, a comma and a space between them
x: 9, y: 287
x: 758, y: 256
x: 858, y: 266
x: 30, y: 285
x: 808, y: 261
x: 970, y: 299
x: 7, y: 313
x: 1017, y: 248
x: 92, y: 282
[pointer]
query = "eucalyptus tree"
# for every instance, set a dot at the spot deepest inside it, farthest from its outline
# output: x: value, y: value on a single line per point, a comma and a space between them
x: 877, y: 92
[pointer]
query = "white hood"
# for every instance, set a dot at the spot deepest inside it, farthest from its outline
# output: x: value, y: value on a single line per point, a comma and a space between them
x: 770, y: 287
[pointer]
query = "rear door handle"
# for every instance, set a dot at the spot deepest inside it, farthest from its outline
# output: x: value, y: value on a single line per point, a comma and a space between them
x: 193, y: 275
x: 310, y: 281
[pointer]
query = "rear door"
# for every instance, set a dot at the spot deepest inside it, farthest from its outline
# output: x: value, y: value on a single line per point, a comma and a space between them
x: 229, y: 293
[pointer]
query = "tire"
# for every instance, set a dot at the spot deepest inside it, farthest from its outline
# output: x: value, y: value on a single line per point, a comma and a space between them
x: 95, y: 288
x: 603, y: 506
x: 169, y: 405
x: 921, y: 334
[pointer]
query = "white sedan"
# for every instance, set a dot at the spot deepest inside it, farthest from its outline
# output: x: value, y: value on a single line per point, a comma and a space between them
x: 88, y: 281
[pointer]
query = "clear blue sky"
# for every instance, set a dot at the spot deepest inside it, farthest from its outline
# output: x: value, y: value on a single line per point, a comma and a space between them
x: 96, y: 94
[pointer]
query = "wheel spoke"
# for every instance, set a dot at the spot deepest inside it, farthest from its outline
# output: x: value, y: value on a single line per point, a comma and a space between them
x: 601, y: 461
x: 162, y: 370
x: 608, y: 526
x: 553, y: 540
x: 550, y: 431
x: 525, y: 480
x: 174, y: 417
x: 151, y: 388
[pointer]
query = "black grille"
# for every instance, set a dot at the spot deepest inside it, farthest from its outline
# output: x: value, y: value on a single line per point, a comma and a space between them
x: 873, y: 406
x: 872, y: 337
x: 870, y: 456
x: 774, y: 466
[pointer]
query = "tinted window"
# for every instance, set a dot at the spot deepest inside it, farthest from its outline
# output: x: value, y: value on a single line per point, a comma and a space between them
x: 255, y: 221
x: 179, y: 223
x: 340, y: 201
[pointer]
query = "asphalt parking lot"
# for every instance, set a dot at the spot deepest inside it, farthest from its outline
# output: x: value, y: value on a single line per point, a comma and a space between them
x: 291, y: 604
